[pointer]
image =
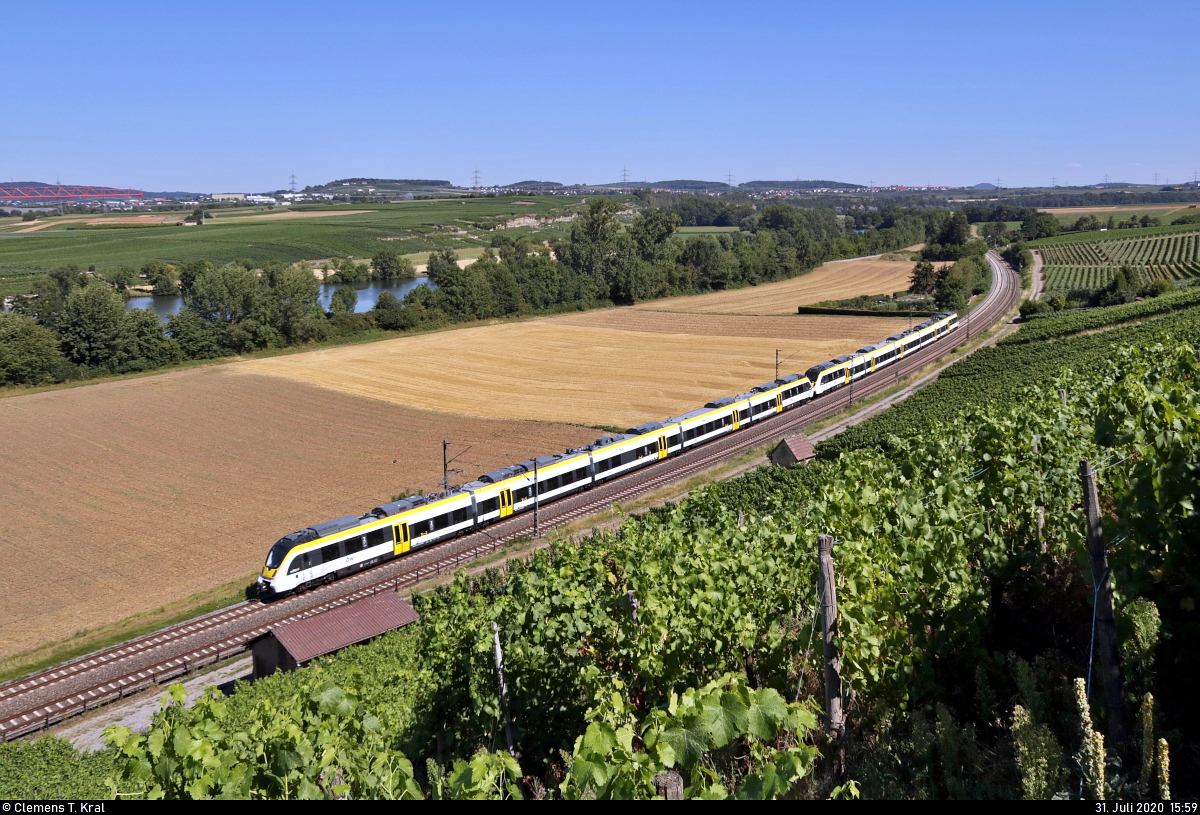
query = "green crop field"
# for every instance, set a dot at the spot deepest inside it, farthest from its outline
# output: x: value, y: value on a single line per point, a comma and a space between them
x: 302, y: 233
x: 1090, y: 264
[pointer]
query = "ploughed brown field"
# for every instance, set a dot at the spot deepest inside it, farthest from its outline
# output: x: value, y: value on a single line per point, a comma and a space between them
x: 121, y: 497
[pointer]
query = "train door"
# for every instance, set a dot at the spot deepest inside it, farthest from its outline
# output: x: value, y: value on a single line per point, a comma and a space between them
x: 506, y: 503
x: 847, y: 369
x: 872, y: 363
x: 737, y: 418
x: 307, y: 562
x: 402, y: 539
x: 779, y: 402
x: 662, y: 446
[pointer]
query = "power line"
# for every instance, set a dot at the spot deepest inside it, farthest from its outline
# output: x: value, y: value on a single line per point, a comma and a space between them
x: 729, y: 181
x: 475, y: 177
x: 293, y: 180
x: 624, y: 177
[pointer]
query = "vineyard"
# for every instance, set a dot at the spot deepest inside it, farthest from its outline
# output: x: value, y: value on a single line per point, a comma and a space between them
x: 1076, y: 267
x: 1002, y: 372
x: 683, y: 641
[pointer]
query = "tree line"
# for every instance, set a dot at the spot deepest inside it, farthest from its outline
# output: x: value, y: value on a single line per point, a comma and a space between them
x: 76, y: 325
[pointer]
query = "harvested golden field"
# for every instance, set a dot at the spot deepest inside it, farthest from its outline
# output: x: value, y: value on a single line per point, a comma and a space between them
x: 592, y: 369
x: 121, y: 497
x: 808, y: 328
x: 833, y: 281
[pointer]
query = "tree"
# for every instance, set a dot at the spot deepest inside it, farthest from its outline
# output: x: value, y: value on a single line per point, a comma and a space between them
x: 441, y: 264
x: 90, y: 325
x: 1041, y: 225
x: 162, y: 276
x: 141, y: 343
x: 387, y: 265
x: 197, y: 338
x: 197, y: 216
x: 955, y: 230
x: 952, y: 294
x: 294, y: 298
x: 390, y: 314
x: 344, y: 300
x: 29, y: 353
x: 188, y: 273
x: 121, y: 277
x: 923, y: 279
x: 652, y: 233
x: 224, y: 294
x: 29, y: 215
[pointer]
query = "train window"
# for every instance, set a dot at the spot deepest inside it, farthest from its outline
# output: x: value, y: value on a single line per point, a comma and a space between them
x: 441, y: 521
x: 330, y: 553
x: 523, y: 494
x: 490, y: 505
x: 295, y: 565
x: 378, y: 537
x: 459, y: 516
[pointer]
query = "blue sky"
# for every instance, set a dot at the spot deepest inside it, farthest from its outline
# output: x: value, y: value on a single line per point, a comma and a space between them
x: 217, y: 96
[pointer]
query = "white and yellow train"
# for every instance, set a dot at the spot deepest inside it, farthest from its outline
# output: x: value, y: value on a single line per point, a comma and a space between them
x: 336, y: 548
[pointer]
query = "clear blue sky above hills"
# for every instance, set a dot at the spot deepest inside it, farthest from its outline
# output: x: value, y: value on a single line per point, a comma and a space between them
x: 221, y: 96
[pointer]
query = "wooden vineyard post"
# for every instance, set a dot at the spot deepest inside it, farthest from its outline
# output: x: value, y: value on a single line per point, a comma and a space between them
x: 833, y: 661
x: 1062, y: 394
x: 503, y: 689
x: 1041, y: 519
x: 1105, y: 635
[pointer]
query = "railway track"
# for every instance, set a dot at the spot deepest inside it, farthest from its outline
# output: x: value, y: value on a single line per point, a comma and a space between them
x: 43, y: 699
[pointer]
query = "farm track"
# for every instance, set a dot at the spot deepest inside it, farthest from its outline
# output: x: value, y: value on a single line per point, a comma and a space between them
x: 43, y: 699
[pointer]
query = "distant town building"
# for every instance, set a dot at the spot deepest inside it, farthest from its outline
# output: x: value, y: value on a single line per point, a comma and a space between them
x: 228, y: 196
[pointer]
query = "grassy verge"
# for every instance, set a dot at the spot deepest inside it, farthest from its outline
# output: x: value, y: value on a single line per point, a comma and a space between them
x: 85, y: 642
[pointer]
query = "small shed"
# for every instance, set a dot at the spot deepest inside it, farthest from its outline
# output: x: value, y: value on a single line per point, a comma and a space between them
x: 287, y: 646
x: 793, y: 450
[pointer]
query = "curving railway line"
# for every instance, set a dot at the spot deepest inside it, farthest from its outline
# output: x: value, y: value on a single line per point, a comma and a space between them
x: 47, y: 698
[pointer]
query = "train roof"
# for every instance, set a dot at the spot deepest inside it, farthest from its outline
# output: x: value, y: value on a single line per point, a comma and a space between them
x: 648, y: 427
x: 724, y: 401
x: 788, y: 379
x: 691, y: 414
x: 766, y: 386
x: 608, y: 441
x: 496, y: 476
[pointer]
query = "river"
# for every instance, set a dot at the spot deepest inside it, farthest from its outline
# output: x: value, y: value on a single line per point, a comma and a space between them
x: 368, y: 295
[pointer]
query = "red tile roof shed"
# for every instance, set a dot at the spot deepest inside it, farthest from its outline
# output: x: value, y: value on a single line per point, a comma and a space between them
x: 345, y: 625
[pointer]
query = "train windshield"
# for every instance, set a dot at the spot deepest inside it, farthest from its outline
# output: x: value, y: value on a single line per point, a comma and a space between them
x: 277, y: 554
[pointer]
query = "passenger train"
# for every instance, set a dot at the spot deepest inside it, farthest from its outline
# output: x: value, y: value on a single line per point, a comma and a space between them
x: 336, y: 548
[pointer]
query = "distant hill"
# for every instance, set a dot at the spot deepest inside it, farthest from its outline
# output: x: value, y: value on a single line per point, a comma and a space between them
x: 533, y: 185
x: 389, y: 184
x: 985, y: 186
x: 693, y: 185
x: 180, y: 195
x: 801, y: 184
